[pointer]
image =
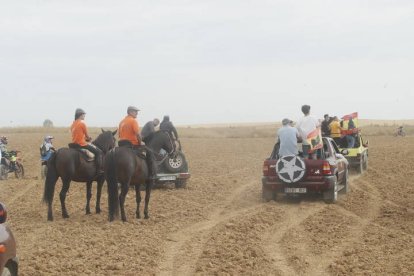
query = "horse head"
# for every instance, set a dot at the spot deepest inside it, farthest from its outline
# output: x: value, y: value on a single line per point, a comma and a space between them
x: 162, y: 140
x: 106, y: 140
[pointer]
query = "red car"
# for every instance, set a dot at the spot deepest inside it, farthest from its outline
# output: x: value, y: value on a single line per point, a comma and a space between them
x: 9, y: 262
x: 326, y: 174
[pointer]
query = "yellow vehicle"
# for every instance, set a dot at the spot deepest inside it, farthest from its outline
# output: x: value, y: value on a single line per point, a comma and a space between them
x: 358, y: 155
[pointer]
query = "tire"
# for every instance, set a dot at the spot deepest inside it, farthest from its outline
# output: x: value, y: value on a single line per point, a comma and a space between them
x: 365, y: 165
x: 267, y: 194
x: 19, y: 172
x: 43, y: 171
x: 360, y: 167
x: 331, y: 196
x: 10, y: 269
x: 345, y: 183
x: 177, y: 164
x: 3, y: 172
x: 180, y: 183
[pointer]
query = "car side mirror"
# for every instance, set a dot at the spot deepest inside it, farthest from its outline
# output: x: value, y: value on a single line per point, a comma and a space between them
x: 344, y: 152
x: 3, y: 213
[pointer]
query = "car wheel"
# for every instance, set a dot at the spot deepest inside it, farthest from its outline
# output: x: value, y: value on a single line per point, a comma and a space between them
x: 268, y: 194
x: 180, y: 183
x: 345, y: 183
x: 360, y: 168
x: 331, y: 196
x: 365, y: 162
x: 19, y: 172
x: 10, y: 269
x: 176, y: 164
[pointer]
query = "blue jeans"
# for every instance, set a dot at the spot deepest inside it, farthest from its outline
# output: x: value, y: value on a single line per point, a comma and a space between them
x: 350, y: 139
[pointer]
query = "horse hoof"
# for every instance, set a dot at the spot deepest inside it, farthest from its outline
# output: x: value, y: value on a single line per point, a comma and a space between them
x: 65, y: 216
x: 50, y: 218
x: 98, y: 211
x: 88, y: 213
x: 146, y: 217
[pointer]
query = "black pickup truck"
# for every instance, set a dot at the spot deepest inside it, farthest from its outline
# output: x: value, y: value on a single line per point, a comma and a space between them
x: 325, y: 173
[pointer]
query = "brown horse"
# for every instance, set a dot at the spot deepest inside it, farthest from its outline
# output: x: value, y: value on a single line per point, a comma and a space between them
x: 122, y: 165
x: 70, y: 165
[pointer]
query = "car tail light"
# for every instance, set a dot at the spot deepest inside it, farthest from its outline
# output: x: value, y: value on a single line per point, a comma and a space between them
x: 2, y: 248
x: 326, y: 170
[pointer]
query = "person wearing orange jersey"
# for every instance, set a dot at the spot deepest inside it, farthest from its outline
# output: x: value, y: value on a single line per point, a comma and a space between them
x: 129, y: 132
x: 81, y: 138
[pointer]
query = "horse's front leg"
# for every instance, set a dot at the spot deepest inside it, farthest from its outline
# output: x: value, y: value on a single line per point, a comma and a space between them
x: 88, y: 197
x: 49, y: 211
x: 137, y: 199
x: 62, y: 195
x: 147, y: 198
x: 98, y: 195
x: 122, y: 196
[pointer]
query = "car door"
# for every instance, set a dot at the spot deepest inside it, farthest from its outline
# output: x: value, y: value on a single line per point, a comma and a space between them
x: 339, y: 160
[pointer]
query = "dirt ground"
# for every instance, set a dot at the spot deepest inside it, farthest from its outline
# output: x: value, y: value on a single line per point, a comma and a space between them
x: 219, y: 225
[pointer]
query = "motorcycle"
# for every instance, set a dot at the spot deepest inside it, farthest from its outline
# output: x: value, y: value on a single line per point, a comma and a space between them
x: 399, y: 132
x: 11, y: 163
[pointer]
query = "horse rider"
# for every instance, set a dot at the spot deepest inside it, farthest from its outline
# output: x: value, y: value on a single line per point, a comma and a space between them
x: 81, y: 138
x: 47, y: 148
x: 148, y: 130
x: 129, y: 131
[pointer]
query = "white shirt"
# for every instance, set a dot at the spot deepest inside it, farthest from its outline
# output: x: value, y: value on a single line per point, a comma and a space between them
x: 288, y: 140
x: 306, y: 125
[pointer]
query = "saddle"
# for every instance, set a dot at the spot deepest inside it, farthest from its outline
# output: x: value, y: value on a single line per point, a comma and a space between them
x: 140, y: 151
x: 86, y: 154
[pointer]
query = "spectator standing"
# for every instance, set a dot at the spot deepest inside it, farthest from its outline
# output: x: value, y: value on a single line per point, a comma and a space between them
x: 335, y: 130
x: 306, y: 125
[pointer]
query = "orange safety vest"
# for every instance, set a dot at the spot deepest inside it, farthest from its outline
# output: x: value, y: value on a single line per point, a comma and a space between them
x: 129, y: 129
x: 79, y: 132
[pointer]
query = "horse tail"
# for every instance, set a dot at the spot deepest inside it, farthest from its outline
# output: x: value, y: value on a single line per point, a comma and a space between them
x: 51, y: 178
x: 112, y: 183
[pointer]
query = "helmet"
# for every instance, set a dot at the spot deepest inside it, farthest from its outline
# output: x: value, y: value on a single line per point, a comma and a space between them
x: 79, y: 112
x: 48, y: 137
x: 3, y: 139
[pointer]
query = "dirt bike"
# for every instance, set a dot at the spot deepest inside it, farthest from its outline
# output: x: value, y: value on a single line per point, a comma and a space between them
x: 399, y: 132
x: 11, y: 163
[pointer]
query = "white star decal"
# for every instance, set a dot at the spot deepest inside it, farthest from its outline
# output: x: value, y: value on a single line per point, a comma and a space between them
x: 291, y: 165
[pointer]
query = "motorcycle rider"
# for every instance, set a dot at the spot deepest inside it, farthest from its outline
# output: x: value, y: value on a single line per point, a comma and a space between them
x: 47, y: 148
x: 129, y: 131
x: 5, y: 154
x: 3, y: 146
x: 81, y: 138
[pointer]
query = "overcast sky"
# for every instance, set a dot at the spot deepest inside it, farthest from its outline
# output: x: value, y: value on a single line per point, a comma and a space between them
x: 204, y: 61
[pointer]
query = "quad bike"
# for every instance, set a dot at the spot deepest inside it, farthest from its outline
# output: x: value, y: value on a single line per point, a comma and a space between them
x: 11, y: 163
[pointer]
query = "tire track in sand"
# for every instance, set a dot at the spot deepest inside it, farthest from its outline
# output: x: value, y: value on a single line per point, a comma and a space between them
x: 179, y: 260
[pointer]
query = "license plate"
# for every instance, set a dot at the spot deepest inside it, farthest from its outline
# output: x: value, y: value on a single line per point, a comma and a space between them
x: 295, y: 190
x: 168, y: 177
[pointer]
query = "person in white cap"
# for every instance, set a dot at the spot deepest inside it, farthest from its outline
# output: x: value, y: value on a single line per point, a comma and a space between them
x: 288, y: 138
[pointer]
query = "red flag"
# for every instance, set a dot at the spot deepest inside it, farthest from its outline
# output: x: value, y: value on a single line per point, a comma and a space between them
x: 350, y: 116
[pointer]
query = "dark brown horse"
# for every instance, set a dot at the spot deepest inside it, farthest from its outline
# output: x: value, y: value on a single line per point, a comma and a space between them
x: 70, y: 165
x: 122, y: 165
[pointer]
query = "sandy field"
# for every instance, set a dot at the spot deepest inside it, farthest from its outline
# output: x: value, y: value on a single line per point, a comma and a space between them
x: 218, y: 224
